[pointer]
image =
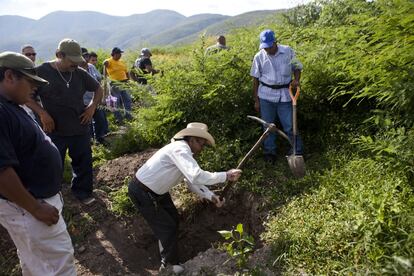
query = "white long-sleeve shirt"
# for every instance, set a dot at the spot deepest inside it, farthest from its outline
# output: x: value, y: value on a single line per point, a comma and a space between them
x: 171, y: 165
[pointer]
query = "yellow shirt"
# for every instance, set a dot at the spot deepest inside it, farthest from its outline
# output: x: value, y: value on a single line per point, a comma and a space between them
x: 116, y: 69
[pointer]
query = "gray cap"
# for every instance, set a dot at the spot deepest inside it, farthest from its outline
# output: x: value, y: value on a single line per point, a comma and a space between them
x: 22, y: 64
x: 72, y: 50
x: 146, y: 52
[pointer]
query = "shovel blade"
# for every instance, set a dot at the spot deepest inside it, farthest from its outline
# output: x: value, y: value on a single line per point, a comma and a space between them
x: 297, y: 165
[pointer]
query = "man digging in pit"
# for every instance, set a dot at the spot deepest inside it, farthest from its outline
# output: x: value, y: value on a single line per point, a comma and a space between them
x: 149, y: 189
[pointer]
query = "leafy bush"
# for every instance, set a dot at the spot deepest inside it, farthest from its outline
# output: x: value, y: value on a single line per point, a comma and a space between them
x: 359, y: 220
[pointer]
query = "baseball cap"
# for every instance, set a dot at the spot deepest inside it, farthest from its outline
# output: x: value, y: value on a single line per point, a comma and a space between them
x: 71, y: 49
x: 22, y: 64
x: 116, y: 50
x: 267, y: 37
x: 146, y: 52
x: 84, y: 51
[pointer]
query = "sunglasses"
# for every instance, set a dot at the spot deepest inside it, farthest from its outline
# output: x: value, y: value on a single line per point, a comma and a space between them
x: 30, y: 54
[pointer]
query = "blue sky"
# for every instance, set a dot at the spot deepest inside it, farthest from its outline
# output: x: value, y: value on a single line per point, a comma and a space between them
x: 37, y: 8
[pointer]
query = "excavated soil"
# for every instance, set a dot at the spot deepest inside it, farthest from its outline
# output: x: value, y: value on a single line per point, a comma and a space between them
x: 123, y: 245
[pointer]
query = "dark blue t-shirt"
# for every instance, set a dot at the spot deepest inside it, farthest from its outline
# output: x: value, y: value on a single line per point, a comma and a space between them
x: 65, y: 104
x: 27, y: 149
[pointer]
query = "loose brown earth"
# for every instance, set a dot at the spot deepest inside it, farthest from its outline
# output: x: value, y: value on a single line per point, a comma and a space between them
x: 107, y: 244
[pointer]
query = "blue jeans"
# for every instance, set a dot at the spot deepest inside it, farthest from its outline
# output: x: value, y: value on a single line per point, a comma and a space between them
x: 124, y: 101
x: 79, y: 147
x: 99, y: 125
x: 268, y: 111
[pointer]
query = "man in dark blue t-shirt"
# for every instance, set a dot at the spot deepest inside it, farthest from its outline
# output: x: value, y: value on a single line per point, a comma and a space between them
x: 30, y: 177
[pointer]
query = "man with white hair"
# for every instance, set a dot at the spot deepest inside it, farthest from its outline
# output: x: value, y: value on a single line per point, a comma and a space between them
x: 149, y: 189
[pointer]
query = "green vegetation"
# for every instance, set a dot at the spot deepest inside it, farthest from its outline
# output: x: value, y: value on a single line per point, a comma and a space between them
x: 121, y: 203
x: 353, y: 212
x: 239, y: 244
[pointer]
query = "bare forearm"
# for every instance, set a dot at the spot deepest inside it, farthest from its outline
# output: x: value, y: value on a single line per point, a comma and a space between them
x: 255, y: 88
x: 12, y: 188
x: 97, y: 97
x: 33, y: 105
x: 297, y: 74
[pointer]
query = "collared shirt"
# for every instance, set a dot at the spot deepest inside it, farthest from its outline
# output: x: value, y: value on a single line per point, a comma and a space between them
x: 171, y: 164
x: 88, y: 96
x: 275, y: 70
x: 117, y: 70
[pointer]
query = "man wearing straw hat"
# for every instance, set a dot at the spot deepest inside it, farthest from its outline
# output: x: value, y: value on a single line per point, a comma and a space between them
x: 149, y: 190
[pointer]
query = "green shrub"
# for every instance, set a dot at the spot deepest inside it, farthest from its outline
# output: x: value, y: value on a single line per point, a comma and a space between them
x: 358, y: 220
x: 121, y: 204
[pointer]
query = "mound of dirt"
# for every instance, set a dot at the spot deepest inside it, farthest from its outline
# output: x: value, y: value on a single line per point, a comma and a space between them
x: 114, y: 172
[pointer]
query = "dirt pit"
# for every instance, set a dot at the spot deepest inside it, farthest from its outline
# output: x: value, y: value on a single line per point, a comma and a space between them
x: 107, y: 244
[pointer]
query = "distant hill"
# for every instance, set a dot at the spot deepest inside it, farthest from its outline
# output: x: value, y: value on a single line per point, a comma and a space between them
x: 98, y: 30
x: 254, y: 18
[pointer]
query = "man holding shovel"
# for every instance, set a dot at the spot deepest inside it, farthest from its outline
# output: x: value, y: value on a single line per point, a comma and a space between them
x: 149, y: 189
x: 272, y: 70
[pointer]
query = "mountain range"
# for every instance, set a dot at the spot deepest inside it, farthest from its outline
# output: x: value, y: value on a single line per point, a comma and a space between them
x: 97, y: 30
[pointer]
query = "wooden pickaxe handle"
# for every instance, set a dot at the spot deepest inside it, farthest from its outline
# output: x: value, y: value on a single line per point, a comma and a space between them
x: 253, y: 149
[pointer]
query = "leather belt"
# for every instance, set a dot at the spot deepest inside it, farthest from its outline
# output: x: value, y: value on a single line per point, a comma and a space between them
x: 275, y: 86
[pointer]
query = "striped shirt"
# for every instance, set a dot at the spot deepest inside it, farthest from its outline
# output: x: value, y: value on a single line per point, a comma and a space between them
x: 88, y: 96
x: 275, y: 70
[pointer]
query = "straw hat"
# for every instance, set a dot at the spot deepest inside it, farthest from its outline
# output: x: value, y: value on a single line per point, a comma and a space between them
x: 196, y: 130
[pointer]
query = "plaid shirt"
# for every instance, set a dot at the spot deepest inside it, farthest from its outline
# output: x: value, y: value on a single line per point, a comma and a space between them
x: 275, y: 70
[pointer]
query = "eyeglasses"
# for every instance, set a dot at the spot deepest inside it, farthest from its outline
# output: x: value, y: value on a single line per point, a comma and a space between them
x: 30, y: 54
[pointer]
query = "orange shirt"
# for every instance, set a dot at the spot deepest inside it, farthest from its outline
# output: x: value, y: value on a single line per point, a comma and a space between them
x: 116, y: 69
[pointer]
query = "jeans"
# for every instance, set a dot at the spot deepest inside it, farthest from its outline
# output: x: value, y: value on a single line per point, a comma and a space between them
x: 283, y: 110
x: 42, y: 249
x: 99, y: 125
x: 124, y: 101
x: 79, y: 147
x: 162, y: 217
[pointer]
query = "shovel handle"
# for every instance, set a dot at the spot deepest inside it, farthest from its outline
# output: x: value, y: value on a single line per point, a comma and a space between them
x: 296, y: 96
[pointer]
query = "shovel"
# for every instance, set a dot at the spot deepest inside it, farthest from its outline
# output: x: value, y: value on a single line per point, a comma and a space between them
x: 296, y: 162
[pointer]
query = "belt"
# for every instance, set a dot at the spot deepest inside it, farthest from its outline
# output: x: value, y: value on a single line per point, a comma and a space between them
x: 275, y: 86
x: 142, y: 186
